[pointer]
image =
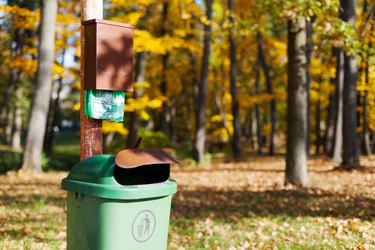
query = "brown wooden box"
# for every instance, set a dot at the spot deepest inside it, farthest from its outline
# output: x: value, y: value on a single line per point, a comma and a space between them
x: 108, y: 55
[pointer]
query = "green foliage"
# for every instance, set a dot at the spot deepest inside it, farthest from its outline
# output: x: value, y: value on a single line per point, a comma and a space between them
x: 9, y: 159
x: 45, y: 162
x: 153, y: 139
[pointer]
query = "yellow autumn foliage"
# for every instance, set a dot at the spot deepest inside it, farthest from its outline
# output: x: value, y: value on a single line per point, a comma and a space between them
x: 76, y: 106
x: 155, y: 103
x: 23, y: 18
x: 27, y: 66
x: 216, y: 118
x: 130, y: 18
x: 117, y: 127
x: 142, y: 104
x: 127, y: 4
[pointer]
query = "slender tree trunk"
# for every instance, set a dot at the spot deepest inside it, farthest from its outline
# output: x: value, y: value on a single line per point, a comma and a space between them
x: 200, y: 133
x: 273, y: 111
x: 109, y: 139
x: 350, y: 139
x: 257, y: 111
x: 9, y: 125
x: 5, y: 108
x: 193, y: 108
x: 254, y: 136
x: 173, y: 121
x: 17, y: 123
x: 13, y: 79
x: 247, y: 129
x: 39, y: 111
x: 236, y: 145
x: 196, y: 85
x: 365, y: 137
x: 164, y: 119
x: 365, y: 134
x: 219, y: 106
x: 54, y: 113
x: 337, y: 145
x: 296, y: 166
x: 330, y: 121
x: 318, y: 139
x: 140, y: 70
x: 309, y: 43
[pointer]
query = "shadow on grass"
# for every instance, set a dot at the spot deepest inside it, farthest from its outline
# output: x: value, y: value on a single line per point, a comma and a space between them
x: 9, y: 160
x: 231, y: 206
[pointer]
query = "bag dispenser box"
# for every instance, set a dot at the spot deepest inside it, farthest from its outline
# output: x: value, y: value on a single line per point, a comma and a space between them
x: 108, y: 55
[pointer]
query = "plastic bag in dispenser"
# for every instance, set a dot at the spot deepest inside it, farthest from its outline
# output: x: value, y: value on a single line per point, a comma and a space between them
x: 104, y: 104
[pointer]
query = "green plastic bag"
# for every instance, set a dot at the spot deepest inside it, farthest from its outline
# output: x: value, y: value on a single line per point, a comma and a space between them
x: 104, y: 104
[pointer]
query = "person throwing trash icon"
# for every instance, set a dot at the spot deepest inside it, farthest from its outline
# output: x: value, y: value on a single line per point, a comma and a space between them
x: 147, y: 225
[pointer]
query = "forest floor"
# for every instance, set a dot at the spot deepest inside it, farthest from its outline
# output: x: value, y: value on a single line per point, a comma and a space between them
x: 220, y: 206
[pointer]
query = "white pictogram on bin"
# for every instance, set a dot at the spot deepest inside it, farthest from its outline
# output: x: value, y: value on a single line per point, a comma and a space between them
x: 143, y: 226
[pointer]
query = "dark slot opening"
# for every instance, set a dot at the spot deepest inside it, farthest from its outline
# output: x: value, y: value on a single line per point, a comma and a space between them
x: 146, y: 174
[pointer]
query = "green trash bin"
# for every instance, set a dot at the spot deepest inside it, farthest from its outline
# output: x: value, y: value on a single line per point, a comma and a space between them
x: 123, y: 205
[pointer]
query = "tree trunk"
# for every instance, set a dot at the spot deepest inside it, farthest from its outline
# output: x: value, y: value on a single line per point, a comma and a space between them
x: 9, y: 125
x: 236, y: 146
x: 365, y: 134
x: 350, y: 141
x: 54, y: 113
x: 254, y: 136
x: 366, y: 147
x: 200, y: 128
x: 109, y: 139
x: 247, y: 128
x: 193, y: 109
x: 6, y: 104
x: 164, y: 119
x: 318, y: 139
x: 257, y: 111
x: 219, y: 106
x: 13, y: 78
x: 173, y: 121
x: 330, y: 121
x: 17, y: 123
x: 296, y: 166
x: 140, y: 70
x: 273, y: 111
x: 34, y: 143
x: 337, y: 142
x: 309, y: 44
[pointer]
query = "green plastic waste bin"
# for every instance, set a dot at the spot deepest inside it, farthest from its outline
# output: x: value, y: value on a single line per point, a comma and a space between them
x: 113, y: 207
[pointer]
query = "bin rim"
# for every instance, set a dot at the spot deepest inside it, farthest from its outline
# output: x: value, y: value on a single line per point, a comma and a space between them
x: 131, y: 192
x: 94, y: 176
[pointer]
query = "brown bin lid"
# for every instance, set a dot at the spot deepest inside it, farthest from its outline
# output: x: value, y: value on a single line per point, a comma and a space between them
x: 133, y: 157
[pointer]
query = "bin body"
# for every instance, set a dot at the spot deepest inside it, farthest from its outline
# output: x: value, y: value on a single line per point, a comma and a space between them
x: 105, y: 215
x: 98, y: 223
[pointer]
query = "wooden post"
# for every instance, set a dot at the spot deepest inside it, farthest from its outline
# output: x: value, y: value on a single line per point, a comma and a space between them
x: 90, y: 129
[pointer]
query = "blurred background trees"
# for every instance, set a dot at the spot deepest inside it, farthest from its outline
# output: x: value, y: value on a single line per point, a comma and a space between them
x: 210, y: 77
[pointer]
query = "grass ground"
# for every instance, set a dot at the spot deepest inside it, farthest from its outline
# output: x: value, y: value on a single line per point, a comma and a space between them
x: 221, y: 206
